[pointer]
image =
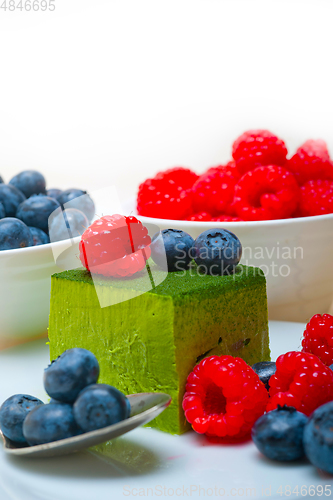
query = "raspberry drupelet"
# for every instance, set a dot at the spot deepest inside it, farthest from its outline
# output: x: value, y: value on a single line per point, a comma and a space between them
x: 302, y: 381
x: 258, y: 147
x: 266, y: 193
x: 318, y: 338
x: 115, y: 245
x: 224, y: 397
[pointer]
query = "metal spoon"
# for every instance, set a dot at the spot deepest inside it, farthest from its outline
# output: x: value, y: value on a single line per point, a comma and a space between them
x: 145, y: 407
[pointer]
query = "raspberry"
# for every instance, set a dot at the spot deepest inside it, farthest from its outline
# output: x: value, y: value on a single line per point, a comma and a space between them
x: 163, y: 199
x: 182, y: 177
x: 230, y: 167
x: 224, y: 397
x: 258, y: 147
x: 226, y: 218
x: 266, y: 193
x: 200, y: 217
x: 318, y: 338
x: 115, y: 245
x: 311, y: 161
x: 301, y: 380
x: 214, y: 191
x: 316, y: 198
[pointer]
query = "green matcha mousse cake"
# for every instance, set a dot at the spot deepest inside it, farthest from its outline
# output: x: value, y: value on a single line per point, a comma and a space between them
x: 152, y: 342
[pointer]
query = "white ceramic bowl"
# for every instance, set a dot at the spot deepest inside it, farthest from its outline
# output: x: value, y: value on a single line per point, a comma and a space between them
x: 295, y: 254
x: 25, y: 287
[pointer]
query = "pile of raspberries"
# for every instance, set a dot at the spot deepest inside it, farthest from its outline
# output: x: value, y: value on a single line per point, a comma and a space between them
x: 260, y: 183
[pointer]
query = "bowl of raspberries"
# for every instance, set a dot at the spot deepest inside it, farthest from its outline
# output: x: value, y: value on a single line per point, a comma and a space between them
x: 278, y: 203
x: 37, y: 224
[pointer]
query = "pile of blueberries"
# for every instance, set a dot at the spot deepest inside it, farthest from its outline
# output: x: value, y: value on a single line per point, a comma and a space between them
x: 78, y: 403
x: 286, y: 434
x: 215, y: 251
x: 26, y: 207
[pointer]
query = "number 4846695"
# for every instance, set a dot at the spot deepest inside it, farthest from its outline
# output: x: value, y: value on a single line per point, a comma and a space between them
x: 34, y: 5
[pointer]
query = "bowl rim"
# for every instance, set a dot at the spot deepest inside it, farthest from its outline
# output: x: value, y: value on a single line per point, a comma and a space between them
x: 251, y: 224
x: 39, y: 248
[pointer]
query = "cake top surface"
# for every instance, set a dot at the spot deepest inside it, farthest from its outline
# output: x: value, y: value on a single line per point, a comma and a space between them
x: 171, y: 284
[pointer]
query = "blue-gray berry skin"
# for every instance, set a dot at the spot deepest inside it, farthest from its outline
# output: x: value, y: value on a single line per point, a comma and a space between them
x: 175, y: 245
x: 318, y: 438
x: 14, y: 234
x: 29, y: 182
x: 279, y: 434
x: 331, y: 367
x: 217, y: 251
x: 71, y: 372
x: 10, y: 197
x: 1, y: 180
x: 49, y: 423
x: 2, y: 211
x: 13, y: 413
x: 98, y: 406
x: 36, y: 210
x: 78, y: 199
x: 54, y: 192
x: 67, y: 224
x: 38, y: 236
x: 264, y: 370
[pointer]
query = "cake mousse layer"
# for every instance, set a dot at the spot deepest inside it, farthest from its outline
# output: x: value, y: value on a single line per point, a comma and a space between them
x: 152, y: 342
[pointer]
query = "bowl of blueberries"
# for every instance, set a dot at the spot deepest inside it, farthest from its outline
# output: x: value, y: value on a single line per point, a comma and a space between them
x: 40, y: 230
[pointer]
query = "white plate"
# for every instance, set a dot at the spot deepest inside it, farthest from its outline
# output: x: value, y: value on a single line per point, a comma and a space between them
x: 146, y: 461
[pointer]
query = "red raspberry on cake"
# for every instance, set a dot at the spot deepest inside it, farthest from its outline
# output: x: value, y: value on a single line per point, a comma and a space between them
x: 318, y: 338
x: 224, y: 397
x: 316, y: 198
x: 301, y: 380
x: 258, y: 147
x: 115, y: 245
x: 167, y: 195
x: 311, y: 161
x: 266, y: 193
x: 214, y: 191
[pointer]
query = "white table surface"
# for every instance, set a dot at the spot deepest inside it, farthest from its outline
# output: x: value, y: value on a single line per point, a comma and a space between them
x: 172, y: 466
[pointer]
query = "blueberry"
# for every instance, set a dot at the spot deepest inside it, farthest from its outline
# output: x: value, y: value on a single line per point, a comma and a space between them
x: 29, y: 182
x: 1, y: 180
x: 176, y: 245
x: 331, y: 367
x: 12, y: 414
x: 2, y: 211
x: 10, y: 197
x: 128, y: 408
x: 71, y: 372
x: 14, y: 234
x: 265, y: 369
x: 35, y: 211
x: 38, y: 236
x: 279, y: 434
x: 66, y: 224
x: 78, y: 199
x: 99, y: 405
x: 49, y: 423
x: 318, y: 438
x: 217, y: 251
x: 54, y: 192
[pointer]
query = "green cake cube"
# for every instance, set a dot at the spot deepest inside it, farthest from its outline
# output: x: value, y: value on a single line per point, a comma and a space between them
x: 151, y: 343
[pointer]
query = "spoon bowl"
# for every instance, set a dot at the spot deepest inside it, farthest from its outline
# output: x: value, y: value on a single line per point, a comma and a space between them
x: 145, y: 407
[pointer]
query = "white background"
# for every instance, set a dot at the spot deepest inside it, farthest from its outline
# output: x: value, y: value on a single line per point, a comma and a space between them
x: 105, y: 91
